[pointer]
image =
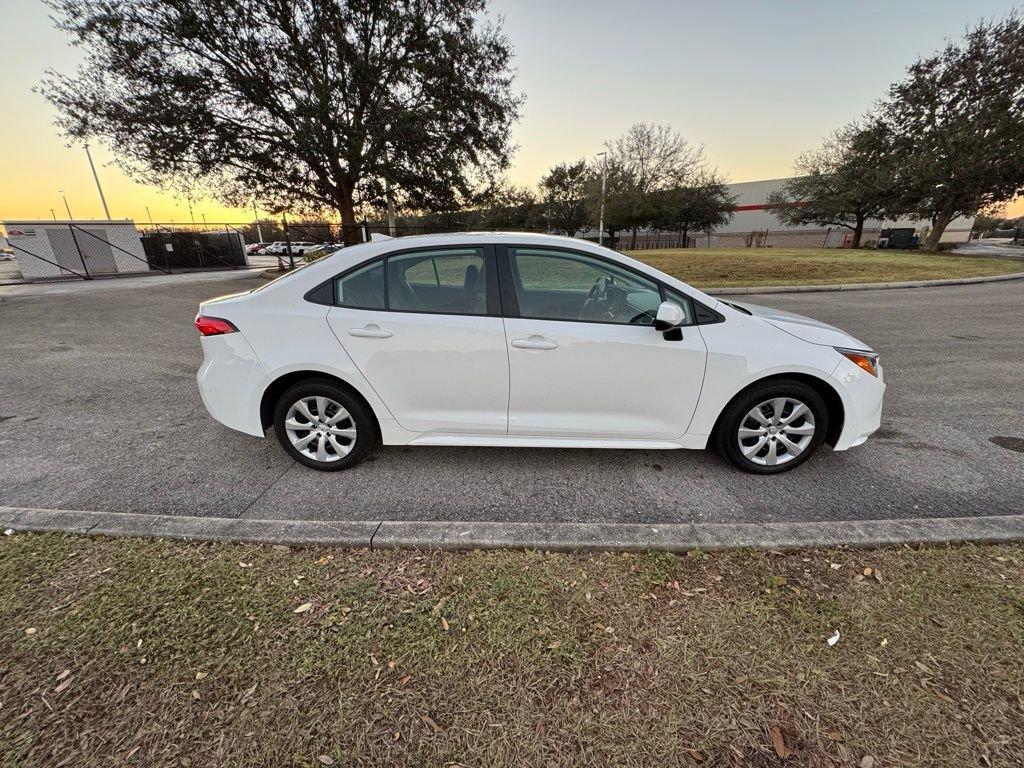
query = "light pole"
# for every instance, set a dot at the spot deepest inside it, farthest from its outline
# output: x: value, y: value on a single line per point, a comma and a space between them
x: 150, y: 218
x: 53, y: 214
x: 96, y: 178
x: 205, y: 225
x: 256, y: 217
x: 66, y: 206
x: 604, y: 184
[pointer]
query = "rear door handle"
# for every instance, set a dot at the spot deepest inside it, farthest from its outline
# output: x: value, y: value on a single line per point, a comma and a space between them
x: 371, y: 331
x: 534, y: 342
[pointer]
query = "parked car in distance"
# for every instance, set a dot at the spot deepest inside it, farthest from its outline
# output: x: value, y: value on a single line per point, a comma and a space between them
x: 523, y: 340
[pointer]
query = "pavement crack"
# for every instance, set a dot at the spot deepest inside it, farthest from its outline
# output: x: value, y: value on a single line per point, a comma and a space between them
x: 374, y: 534
x: 265, y: 490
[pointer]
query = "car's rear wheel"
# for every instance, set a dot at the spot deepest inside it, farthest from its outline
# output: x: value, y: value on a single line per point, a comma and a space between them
x: 323, y: 426
x: 772, y: 428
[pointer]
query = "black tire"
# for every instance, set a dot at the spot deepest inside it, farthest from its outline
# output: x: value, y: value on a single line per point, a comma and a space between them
x: 366, y: 436
x: 727, y: 438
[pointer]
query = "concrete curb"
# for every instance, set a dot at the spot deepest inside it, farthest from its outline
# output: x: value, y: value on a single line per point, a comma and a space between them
x: 549, y: 536
x: 861, y: 286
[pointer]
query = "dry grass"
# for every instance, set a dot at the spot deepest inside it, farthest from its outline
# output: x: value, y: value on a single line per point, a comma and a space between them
x: 160, y: 653
x: 726, y: 267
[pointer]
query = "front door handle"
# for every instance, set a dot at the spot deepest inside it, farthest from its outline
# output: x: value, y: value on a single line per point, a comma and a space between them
x: 534, y: 342
x: 370, y: 331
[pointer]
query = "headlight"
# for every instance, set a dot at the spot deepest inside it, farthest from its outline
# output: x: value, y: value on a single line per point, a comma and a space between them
x: 862, y: 358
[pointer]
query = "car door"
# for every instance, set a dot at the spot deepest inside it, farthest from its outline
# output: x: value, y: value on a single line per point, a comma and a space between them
x: 424, y: 328
x: 584, y: 357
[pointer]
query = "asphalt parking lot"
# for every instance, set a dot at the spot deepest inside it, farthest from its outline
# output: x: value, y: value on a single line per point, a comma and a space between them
x: 99, y: 411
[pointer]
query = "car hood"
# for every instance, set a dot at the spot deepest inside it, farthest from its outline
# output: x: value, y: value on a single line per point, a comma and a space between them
x: 805, y: 328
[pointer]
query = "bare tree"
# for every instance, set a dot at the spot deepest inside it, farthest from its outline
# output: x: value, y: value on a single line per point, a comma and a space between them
x: 648, y: 159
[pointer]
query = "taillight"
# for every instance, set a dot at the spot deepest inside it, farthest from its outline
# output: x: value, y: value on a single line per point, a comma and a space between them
x: 213, y: 326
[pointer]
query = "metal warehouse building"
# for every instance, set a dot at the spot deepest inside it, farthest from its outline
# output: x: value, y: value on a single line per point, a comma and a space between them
x: 753, y: 225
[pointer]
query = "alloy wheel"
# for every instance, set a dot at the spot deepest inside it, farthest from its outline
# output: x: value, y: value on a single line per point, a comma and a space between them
x: 320, y: 428
x: 776, y: 431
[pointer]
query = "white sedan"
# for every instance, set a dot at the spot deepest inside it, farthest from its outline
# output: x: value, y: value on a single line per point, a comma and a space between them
x: 520, y: 340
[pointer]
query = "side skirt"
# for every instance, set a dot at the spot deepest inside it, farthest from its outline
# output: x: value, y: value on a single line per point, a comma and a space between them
x: 527, y: 441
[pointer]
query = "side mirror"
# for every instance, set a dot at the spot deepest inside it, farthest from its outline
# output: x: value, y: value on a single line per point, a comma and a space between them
x: 670, y: 315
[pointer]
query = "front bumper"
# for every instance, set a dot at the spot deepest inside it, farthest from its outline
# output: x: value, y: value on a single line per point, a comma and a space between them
x: 862, y: 395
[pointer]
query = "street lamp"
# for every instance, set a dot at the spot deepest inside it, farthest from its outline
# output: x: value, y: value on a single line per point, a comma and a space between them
x: 66, y: 206
x: 256, y: 217
x: 604, y: 185
x: 96, y: 178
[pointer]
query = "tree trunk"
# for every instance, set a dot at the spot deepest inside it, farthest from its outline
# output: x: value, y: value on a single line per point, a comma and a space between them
x: 350, y: 234
x: 632, y: 240
x: 939, y: 224
x: 858, y: 232
x: 686, y: 237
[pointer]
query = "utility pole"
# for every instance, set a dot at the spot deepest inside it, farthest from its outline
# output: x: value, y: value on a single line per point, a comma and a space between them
x: 150, y: 218
x: 604, y: 185
x: 66, y: 206
x: 256, y: 218
x: 391, y: 208
x: 96, y: 178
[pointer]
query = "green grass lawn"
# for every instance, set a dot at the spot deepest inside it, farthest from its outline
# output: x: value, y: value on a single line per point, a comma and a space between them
x: 727, y: 267
x: 159, y: 653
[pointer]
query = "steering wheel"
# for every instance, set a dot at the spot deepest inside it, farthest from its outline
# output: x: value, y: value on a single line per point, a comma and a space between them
x: 644, y: 318
x: 597, y: 296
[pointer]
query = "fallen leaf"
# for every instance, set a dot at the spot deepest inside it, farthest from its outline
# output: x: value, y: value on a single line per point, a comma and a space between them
x: 30, y: 630
x: 696, y: 756
x: 201, y: 675
x: 867, y: 762
x: 303, y: 608
x: 63, y: 686
x: 554, y: 645
x: 325, y: 760
x: 777, y: 742
x: 835, y: 566
x: 63, y: 674
x: 835, y: 735
x: 429, y: 722
x: 444, y: 623
x: 250, y: 691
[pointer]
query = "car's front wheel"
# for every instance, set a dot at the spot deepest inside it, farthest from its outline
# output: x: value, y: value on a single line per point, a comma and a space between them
x: 772, y: 428
x: 323, y: 426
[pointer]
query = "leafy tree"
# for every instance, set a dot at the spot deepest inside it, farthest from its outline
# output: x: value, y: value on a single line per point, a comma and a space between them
x: 306, y: 104
x: 564, y: 192
x: 840, y: 184
x: 646, y: 160
x: 508, y: 207
x: 953, y: 129
x: 702, y: 206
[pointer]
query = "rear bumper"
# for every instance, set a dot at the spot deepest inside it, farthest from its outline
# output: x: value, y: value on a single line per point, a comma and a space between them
x: 862, y: 395
x: 229, y: 375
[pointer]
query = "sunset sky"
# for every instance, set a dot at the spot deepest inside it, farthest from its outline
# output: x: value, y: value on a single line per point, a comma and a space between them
x: 754, y: 82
